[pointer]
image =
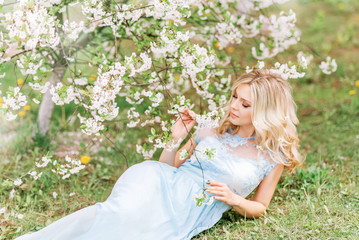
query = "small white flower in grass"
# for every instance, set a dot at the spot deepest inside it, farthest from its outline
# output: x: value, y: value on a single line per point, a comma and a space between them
x: 44, y: 163
x: 183, y: 154
x: 2, y: 210
x: 71, y: 194
x: 20, y: 216
x: 12, y: 194
x: 18, y: 182
x: 66, y: 176
x: 32, y: 173
x: 38, y: 176
x: 54, y: 194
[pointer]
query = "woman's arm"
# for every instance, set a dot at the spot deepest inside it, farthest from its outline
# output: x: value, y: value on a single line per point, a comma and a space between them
x: 180, y: 130
x: 189, y: 147
x: 258, y: 204
x: 168, y: 156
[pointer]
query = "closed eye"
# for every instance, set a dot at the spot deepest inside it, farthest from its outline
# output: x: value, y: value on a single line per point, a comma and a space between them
x: 245, y: 106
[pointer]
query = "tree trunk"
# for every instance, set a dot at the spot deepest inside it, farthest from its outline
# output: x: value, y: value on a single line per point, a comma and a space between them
x: 42, y: 125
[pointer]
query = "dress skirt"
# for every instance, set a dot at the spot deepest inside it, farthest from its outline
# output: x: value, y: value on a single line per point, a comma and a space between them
x: 151, y: 200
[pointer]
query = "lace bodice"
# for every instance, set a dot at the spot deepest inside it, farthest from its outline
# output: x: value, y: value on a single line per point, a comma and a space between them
x: 230, y: 159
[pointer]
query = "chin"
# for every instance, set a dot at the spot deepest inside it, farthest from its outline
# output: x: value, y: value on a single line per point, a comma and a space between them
x: 234, y: 122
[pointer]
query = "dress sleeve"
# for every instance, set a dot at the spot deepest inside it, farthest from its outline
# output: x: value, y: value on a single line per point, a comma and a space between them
x: 271, y: 166
x: 269, y: 169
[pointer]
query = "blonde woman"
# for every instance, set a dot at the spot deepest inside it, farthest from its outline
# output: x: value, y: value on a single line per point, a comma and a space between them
x: 255, y: 140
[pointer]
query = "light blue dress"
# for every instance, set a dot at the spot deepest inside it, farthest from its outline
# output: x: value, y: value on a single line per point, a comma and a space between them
x: 153, y: 200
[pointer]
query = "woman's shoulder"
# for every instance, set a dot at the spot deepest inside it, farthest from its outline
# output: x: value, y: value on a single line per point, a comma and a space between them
x: 274, y: 158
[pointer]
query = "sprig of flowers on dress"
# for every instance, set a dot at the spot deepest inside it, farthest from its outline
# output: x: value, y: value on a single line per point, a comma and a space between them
x: 202, y: 198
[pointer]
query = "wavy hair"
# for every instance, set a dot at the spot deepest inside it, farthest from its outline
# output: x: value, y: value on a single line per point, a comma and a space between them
x: 273, y: 116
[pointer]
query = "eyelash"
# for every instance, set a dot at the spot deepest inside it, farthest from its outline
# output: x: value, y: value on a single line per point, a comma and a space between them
x: 242, y: 104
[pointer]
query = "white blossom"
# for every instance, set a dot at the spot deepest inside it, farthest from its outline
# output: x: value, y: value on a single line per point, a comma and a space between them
x: 36, y: 101
x: 2, y: 210
x: 18, y: 182
x: 44, y: 162
x: 183, y: 154
x: 329, y: 66
x: 12, y: 194
x: 303, y: 59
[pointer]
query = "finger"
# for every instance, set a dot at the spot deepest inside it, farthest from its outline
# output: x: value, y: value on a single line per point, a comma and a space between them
x: 193, y: 114
x: 214, y: 183
x: 223, y: 199
x: 191, y: 124
x: 216, y: 192
x: 215, y: 188
x: 188, y: 113
x: 184, y: 115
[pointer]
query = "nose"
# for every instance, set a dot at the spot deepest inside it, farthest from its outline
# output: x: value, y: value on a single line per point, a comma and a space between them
x: 234, y: 104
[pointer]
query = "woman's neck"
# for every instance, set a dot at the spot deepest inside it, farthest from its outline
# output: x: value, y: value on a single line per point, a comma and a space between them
x: 246, y: 131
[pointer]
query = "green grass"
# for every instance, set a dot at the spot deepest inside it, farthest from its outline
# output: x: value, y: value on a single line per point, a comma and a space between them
x: 319, y: 201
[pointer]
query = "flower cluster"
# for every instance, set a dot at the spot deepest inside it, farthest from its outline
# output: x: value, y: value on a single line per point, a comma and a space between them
x: 71, y: 166
x: 12, y: 102
x: 282, y: 33
x: 64, y: 94
x: 174, y: 10
x: 183, y: 154
x: 304, y: 59
x: 31, y: 26
x: 329, y: 66
x: 202, y: 198
x: 283, y: 70
x: 3, y: 211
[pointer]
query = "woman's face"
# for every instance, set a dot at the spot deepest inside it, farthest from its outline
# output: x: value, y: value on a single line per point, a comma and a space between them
x: 241, y: 104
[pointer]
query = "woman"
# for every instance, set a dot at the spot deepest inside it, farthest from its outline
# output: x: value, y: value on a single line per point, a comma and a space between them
x: 255, y: 140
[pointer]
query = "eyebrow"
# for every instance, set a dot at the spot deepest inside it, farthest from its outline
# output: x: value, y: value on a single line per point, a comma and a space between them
x: 246, y: 100
x: 243, y: 98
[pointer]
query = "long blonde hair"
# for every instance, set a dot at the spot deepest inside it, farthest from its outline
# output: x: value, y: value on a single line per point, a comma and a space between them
x: 273, y: 116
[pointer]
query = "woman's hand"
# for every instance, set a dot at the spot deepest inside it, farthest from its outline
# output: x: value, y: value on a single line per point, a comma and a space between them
x: 224, y: 193
x: 183, y: 124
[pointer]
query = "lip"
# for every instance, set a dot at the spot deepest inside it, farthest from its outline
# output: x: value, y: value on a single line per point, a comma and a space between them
x: 233, y: 115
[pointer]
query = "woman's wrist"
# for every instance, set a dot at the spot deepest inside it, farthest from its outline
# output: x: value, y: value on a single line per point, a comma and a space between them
x: 237, y: 201
x: 174, y: 144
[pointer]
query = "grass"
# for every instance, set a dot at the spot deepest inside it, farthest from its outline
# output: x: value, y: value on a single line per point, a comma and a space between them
x: 319, y: 201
